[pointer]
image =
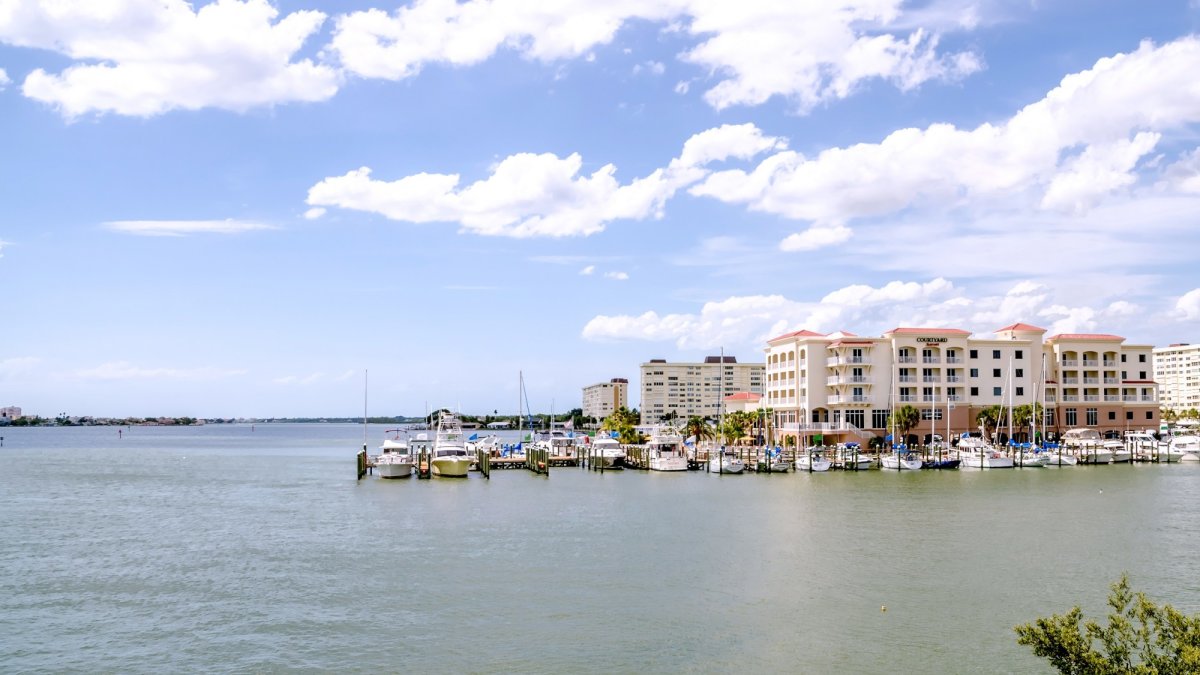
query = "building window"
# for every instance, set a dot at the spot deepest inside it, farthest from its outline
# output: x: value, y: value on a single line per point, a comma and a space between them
x: 1129, y: 414
x: 1149, y: 414
x: 1020, y: 391
x: 1020, y: 372
x: 1020, y: 354
x: 935, y: 414
x: 855, y: 417
x: 1093, y: 417
x: 1141, y: 358
x: 1141, y: 374
x: 1123, y: 375
x: 879, y: 419
x: 974, y: 353
x: 1072, y: 417
x: 974, y: 391
x: 1122, y: 358
x: 974, y: 372
x: 995, y: 372
x: 995, y: 353
x: 995, y: 391
x: 1112, y: 414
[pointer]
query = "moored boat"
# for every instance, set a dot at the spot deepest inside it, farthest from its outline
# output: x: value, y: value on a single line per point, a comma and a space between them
x: 725, y: 461
x: 901, y: 460
x: 395, y: 460
x: 608, y: 453
x: 450, y: 458
x: 666, y: 451
x: 813, y: 459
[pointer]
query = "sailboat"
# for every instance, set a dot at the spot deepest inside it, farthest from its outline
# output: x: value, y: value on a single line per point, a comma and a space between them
x: 900, y: 459
x: 725, y: 461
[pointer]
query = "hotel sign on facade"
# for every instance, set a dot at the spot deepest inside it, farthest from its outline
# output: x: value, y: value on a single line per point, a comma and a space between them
x: 932, y: 339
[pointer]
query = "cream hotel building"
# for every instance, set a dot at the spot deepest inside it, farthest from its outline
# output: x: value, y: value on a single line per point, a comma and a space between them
x: 843, y: 386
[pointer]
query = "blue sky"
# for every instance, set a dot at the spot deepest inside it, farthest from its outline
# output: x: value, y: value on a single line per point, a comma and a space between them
x: 235, y: 208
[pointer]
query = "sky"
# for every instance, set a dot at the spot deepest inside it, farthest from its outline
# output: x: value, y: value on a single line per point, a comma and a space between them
x: 245, y: 208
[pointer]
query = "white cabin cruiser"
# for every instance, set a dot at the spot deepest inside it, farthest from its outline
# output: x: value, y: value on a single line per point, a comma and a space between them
x: 450, y: 458
x: 608, y: 453
x: 666, y: 452
x: 395, y: 460
x: 813, y: 459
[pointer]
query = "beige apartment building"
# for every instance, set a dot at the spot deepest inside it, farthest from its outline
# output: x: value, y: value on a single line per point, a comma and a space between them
x: 1177, y: 372
x: 843, y: 386
x: 676, y: 391
x: 603, y: 399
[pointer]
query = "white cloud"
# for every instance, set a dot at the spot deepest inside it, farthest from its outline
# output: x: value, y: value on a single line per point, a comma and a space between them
x: 617, y: 276
x: 682, y: 87
x: 17, y: 366
x: 590, y: 269
x: 815, y: 237
x: 123, y: 370
x: 145, y: 58
x: 180, y: 228
x: 1184, y: 175
x: 1188, y: 305
x: 530, y: 195
x: 1113, y: 114
x: 314, y: 213
x: 4, y: 81
x: 807, y: 52
x: 300, y: 380
x: 748, y: 321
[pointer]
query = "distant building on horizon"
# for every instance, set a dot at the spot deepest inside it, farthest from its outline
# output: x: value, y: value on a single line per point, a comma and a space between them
x: 677, y: 391
x: 1177, y: 371
x: 603, y: 399
x: 9, y: 414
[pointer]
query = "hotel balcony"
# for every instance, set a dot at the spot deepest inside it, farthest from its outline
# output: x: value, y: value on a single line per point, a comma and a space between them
x: 1070, y: 398
x: 1070, y: 363
x: 1051, y: 398
x: 1110, y: 364
x: 1091, y: 380
x: 837, y: 400
x: 955, y: 398
x: 929, y: 398
x: 931, y: 359
x: 1110, y: 398
x: 907, y: 378
x: 955, y: 378
x: 1091, y: 398
x: 954, y: 359
x: 930, y: 378
x: 908, y: 398
x: 1147, y: 399
x: 1129, y: 399
x: 1090, y: 363
x: 907, y: 359
x: 1070, y: 380
x: 846, y: 361
x: 1112, y: 380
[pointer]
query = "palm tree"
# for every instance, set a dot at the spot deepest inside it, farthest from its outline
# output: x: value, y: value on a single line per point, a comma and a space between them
x: 903, y: 419
x: 698, y: 427
x: 989, y: 419
x: 1025, y: 415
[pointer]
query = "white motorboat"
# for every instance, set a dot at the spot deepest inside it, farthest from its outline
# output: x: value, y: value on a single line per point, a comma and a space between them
x: 1087, y: 445
x: 394, y: 460
x: 666, y: 452
x: 1028, y: 459
x: 1120, y: 453
x: 814, y: 460
x: 450, y: 458
x: 983, y: 458
x: 608, y: 453
x: 1146, y: 447
x: 1187, y: 448
x: 851, y: 458
x: 900, y: 461
x: 726, y: 462
x: 558, y: 443
x: 1058, y: 456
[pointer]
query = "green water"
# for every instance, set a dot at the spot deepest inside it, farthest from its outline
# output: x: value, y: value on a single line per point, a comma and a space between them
x: 226, y: 549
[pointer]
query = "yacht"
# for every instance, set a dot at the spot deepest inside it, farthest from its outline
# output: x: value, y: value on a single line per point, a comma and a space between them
x: 450, y: 458
x: 608, y: 453
x: 900, y: 460
x: 976, y: 453
x: 1120, y: 453
x: 1187, y: 447
x: 725, y: 461
x: 394, y: 460
x: 666, y: 452
x: 1088, y: 446
x: 812, y: 459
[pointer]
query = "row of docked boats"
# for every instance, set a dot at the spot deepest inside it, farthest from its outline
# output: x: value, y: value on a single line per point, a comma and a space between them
x: 446, y: 452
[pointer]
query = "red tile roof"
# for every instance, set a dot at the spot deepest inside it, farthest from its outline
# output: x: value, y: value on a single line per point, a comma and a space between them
x: 1086, y: 336
x: 799, y: 333
x: 743, y: 396
x: 1021, y: 326
x: 835, y: 343
x: 929, y: 331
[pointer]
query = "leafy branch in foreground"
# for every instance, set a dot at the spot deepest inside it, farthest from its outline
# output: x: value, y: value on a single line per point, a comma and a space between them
x: 1140, y: 637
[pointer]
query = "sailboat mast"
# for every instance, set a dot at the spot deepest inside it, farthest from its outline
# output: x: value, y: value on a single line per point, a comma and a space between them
x: 520, y: 403
x: 364, y: 409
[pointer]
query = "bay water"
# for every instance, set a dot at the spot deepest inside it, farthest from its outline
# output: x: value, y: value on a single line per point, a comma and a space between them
x: 239, y: 548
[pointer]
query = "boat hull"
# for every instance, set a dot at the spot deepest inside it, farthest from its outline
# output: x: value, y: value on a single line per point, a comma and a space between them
x: 726, y: 466
x: 451, y: 467
x: 668, y: 464
x: 1096, y: 457
x: 895, y: 463
x: 394, y: 469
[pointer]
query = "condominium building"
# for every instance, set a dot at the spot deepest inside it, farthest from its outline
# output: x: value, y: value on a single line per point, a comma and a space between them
x: 1177, y: 371
x: 844, y: 386
x: 10, y: 413
x: 603, y: 399
x: 672, y: 391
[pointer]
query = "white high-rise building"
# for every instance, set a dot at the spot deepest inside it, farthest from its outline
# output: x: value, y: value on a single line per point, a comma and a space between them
x: 1177, y: 371
x: 602, y: 399
x: 676, y: 391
